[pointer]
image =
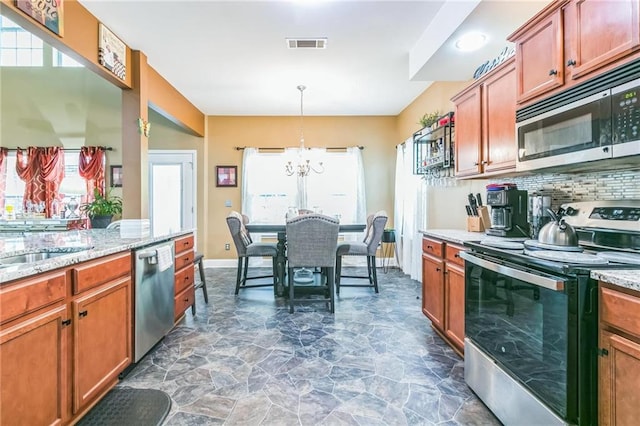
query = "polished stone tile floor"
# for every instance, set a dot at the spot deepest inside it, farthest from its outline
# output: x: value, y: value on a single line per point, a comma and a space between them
x: 244, y: 360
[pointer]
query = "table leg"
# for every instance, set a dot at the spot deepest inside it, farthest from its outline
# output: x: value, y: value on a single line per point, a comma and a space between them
x: 281, y: 264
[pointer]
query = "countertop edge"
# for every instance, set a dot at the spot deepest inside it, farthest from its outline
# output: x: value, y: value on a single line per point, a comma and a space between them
x: 116, y: 245
x: 457, y: 236
x: 627, y: 278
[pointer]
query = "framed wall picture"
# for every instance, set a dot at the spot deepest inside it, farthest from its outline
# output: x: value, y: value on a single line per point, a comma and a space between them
x: 47, y: 13
x: 112, y: 52
x: 226, y: 175
x: 116, y: 176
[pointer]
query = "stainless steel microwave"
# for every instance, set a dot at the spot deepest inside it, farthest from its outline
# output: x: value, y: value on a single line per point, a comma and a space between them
x: 605, y: 124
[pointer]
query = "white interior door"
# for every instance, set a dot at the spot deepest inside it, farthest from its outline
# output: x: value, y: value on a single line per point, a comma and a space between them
x: 172, y: 190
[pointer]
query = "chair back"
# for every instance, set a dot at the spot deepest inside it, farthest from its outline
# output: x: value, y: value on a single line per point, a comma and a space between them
x: 312, y: 240
x: 367, y: 230
x: 376, y: 229
x: 241, y: 238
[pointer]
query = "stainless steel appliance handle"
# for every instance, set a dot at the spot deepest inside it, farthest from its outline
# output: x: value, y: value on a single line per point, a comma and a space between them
x: 151, y: 256
x: 147, y: 254
x: 540, y: 281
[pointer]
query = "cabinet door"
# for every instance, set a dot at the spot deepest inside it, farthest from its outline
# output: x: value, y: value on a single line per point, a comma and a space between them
x: 468, y: 133
x: 498, y: 120
x: 454, y: 305
x: 101, y: 338
x: 539, y: 58
x: 604, y: 32
x: 433, y: 290
x: 33, y: 372
x: 619, y: 377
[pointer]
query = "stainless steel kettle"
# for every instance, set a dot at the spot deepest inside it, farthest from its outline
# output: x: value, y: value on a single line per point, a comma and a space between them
x: 558, y: 232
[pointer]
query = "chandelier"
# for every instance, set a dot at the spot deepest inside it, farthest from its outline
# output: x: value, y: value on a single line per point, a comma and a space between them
x: 304, y: 165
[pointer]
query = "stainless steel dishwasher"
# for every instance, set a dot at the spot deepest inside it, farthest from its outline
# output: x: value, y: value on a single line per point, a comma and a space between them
x: 153, y: 295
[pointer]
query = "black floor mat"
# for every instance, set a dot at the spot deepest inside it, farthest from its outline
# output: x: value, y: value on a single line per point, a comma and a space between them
x: 129, y: 406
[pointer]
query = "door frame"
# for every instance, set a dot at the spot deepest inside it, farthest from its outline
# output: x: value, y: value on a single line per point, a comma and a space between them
x: 194, y: 178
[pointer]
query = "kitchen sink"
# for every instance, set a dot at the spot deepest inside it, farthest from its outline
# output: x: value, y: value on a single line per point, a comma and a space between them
x: 36, y: 256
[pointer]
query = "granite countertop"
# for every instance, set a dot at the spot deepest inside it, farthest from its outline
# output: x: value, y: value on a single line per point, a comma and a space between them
x: 628, y: 278
x: 76, y: 246
x: 454, y: 235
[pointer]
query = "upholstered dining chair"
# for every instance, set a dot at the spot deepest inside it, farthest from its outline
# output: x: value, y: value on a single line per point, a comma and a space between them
x: 311, y: 242
x: 246, y: 248
x: 367, y: 248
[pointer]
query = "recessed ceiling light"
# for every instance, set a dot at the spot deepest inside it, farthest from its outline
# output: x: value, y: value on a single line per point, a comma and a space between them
x: 471, y: 41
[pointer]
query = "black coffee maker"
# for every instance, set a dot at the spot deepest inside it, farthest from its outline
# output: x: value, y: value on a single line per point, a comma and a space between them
x: 509, y: 208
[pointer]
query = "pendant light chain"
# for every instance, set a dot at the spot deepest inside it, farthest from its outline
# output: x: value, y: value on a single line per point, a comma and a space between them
x: 301, y: 89
x: 304, y: 165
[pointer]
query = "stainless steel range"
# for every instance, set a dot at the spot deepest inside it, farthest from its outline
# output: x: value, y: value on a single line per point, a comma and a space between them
x: 531, y: 316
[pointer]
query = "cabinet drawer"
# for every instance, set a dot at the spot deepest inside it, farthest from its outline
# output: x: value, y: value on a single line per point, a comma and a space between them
x: 432, y: 247
x: 182, y: 301
x: 97, y: 272
x: 620, y: 310
x: 184, y: 279
x: 30, y: 295
x: 184, y: 244
x: 185, y: 259
x: 453, y: 254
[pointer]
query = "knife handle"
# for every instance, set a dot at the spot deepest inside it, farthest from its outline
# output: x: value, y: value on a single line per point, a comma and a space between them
x: 469, y: 212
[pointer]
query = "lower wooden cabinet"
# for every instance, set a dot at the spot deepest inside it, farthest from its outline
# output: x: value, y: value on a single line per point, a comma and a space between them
x: 184, y: 290
x: 101, y: 339
x: 443, y: 290
x: 33, y: 369
x: 65, y: 340
x: 619, y: 363
x: 454, y: 305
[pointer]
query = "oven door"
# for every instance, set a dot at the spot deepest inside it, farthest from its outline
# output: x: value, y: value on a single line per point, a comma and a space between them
x: 573, y: 133
x: 527, y: 322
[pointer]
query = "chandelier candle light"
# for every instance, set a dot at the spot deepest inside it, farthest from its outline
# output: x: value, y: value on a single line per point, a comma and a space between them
x: 304, y: 166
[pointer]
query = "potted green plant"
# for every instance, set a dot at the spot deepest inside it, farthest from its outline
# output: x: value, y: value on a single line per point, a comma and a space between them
x: 102, y: 209
x: 429, y: 118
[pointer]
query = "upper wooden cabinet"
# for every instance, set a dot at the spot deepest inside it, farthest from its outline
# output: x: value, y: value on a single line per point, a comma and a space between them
x: 567, y: 42
x: 486, y: 124
x: 603, y: 32
x: 539, y: 57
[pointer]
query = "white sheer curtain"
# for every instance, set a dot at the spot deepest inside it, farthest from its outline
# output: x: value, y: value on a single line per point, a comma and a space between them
x: 267, y: 192
x: 409, y: 212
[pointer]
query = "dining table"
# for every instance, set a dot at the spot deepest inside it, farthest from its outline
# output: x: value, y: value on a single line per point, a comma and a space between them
x: 280, y: 229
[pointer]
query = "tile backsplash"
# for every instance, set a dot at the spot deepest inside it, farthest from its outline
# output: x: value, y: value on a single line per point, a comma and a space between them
x: 565, y: 187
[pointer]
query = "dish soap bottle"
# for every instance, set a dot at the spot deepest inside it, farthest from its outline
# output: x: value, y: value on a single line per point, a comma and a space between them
x: 9, y: 213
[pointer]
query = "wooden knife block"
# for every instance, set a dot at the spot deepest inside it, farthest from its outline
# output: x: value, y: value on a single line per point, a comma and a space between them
x: 479, y: 223
x: 474, y: 224
x: 483, y: 213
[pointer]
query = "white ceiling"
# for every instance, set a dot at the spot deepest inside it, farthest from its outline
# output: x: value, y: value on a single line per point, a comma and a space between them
x: 230, y: 57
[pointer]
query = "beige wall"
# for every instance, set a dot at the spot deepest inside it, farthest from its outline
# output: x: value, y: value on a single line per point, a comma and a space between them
x: 376, y: 134
x: 445, y: 204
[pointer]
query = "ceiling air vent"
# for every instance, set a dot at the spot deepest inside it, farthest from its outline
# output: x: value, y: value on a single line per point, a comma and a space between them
x: 307, y: 43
